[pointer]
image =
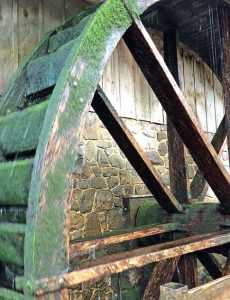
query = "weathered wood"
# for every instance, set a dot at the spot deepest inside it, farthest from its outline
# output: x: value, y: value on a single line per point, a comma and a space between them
x: 121, y: 236
x: 199, y: 185
x: 162, y: 273
x: 226, y: 270
x: 10, y: 295
x: 211, y: 264
x: 188, y: 270
x: 133, y: 152
x: 20, y: 131
x: 50, y: 191
x: 177, y: 170
x: 120, y: 262
x: 43, y: 73
x: 175, y: 291
x: 12, y: 243
x: 224, y: 19
x: 66, y: 35
x: 180, y: 114
x: 198, y: 218
x: 15, y: 182
x: 215, y: 290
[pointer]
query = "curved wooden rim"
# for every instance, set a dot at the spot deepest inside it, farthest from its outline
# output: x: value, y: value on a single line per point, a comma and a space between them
x: 46, y: 240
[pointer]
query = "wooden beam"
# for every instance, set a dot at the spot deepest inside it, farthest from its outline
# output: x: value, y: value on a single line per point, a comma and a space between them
x: 224, y: 18
x: 199, y: 185
x: 215, y: 290
x: 226, y: 270
x: 162, y: 273
x: 120, y: 262
x: 188, y: 270
x: 121, y: 236
x: 133, y: 152
x: 177, y: 169
x: 211, y: 264
x: 172, y: 99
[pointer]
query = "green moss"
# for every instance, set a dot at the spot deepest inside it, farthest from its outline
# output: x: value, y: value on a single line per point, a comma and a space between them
x: 10, y: 295
x: 12, y: 243
x: 15, y: 181
x: 20, y: 131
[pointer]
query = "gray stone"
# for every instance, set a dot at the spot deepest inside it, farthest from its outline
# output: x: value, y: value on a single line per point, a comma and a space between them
x: 160, y: 170
x: 113, y: 181
x: 150, y: 133
x: 141, y: 189
x: 117, y: 161
x: 109, y: 151
x: 104, y: 144
x: 83, y: 183
x: 103, y: 200
x: 86, y: 171
x: 190, y: 171
x: 128, y: 190
x: 97, y: 171
x: 118, y: 191
x: 115, y: 218
x: 92, y: 227
x: 102, y: 158
x: 98, y: 183
x: 163, y: 149
x: 107, y: 172
x: 86, y: 201
x: 124, y: 177
x: 166, y: 163
x: 155, y: 158
x: 90, y: 151
x: 135, y: 178
x: 90, y: 133
x: 77, y: 221
x: 105, y: 135
x: 165, y: 177
x: 161, y: 136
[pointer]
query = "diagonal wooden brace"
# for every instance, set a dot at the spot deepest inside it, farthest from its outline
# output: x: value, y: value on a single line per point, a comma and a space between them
x: 134, y: 153
x: 174, y: 103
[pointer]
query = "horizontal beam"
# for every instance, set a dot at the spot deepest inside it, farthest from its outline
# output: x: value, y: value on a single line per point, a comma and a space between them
x: 20, y: 131
x: 15, y: 182
x: 120, y: 262
x: 12, y: 243
x: 134, y: 152
x: 180, y: 114
x: 121, y: 236
x: 217, y: 289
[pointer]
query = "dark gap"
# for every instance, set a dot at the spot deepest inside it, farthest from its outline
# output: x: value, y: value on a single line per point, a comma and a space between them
x: 20, y: 156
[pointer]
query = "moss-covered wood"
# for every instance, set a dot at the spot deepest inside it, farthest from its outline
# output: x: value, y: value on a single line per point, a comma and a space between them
x: 10, y: 295
x: 15, y: 182
x: 19, y: 131
x: 12, y: 243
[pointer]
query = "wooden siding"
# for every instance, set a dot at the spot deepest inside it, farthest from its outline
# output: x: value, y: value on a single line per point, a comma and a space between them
x: 24, y: 22
x: 131, y: 95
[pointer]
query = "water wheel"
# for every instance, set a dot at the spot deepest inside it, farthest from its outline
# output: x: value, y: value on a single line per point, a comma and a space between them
x: 43, y: 111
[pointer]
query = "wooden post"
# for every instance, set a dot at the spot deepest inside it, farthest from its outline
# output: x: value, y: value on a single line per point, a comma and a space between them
x: 175, y: 291
x: 177, y: 169
x: 225, y: 34
x: 188, y: 270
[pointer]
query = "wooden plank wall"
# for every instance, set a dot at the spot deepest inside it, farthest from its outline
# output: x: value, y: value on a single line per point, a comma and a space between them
x: 128, y: 90
x: 23, y: 23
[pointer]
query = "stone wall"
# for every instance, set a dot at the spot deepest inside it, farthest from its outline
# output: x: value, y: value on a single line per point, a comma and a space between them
x: 103, y: 176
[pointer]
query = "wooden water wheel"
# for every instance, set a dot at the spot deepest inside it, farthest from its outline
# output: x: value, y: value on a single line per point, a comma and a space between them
x: 43, y: 111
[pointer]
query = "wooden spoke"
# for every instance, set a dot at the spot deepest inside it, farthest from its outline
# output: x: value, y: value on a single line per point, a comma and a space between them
x: 177, y: 170
x: 199, y: 185
x: 225, y: 24
x: 121, y: 236
x: 162, y: 273
x: 120, y: 262
x: 133, y: 152
x: 178, y: 110
x: 188, y: 270
x: 211, y: 264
